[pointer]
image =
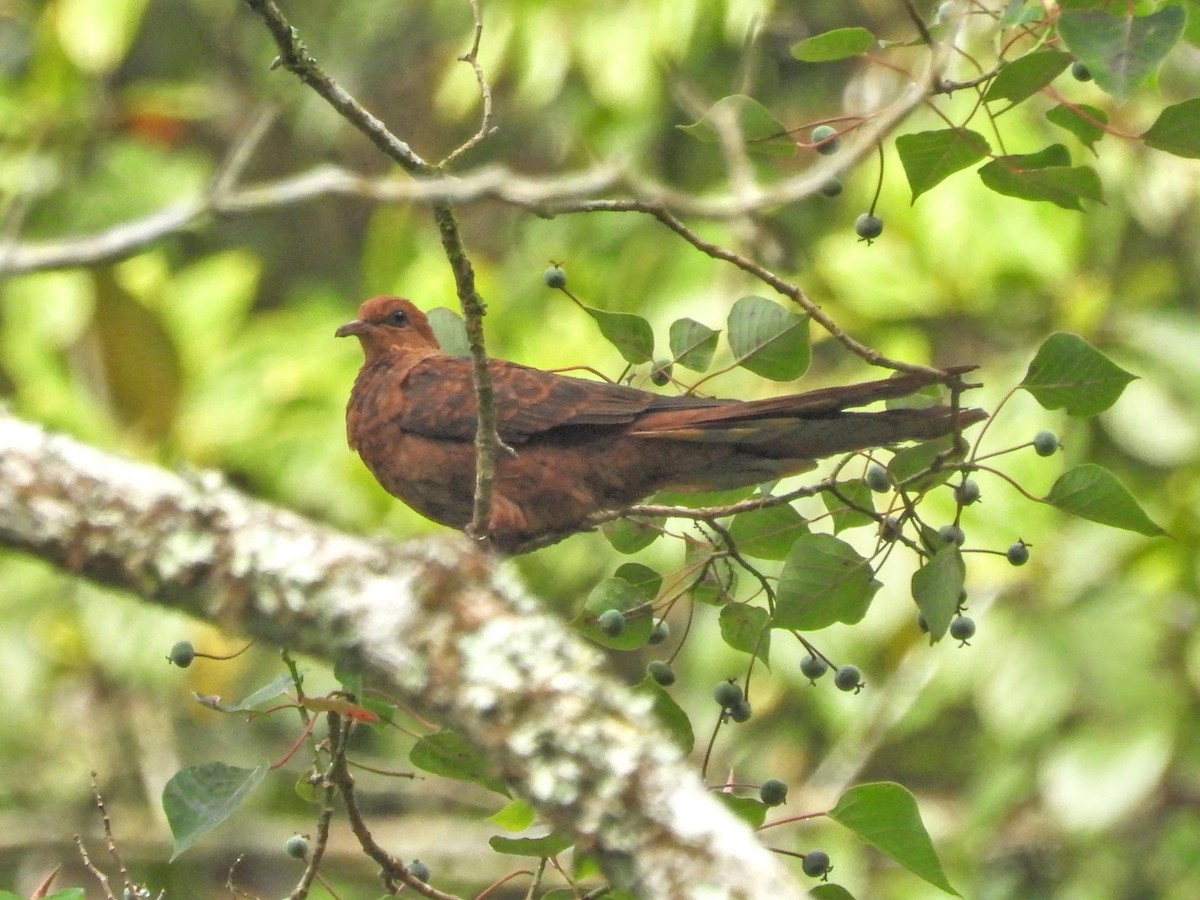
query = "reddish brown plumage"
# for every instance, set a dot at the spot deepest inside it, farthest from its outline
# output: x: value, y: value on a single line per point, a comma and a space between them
x: 583, y: 446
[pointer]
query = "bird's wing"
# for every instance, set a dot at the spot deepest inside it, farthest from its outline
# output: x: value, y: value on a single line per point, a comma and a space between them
x: 439, y: 400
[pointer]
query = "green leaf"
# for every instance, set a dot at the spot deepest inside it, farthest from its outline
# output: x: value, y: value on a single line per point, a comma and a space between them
x: 692, y: 344
x: 845, y: 516
x: 768, y: 339
x: 669, y: 713
x: 1069, y: 373
x: 644, y: 578
x: 1083, y: 128
x: 539, y: 848
x: 929, y: 157
x: 630, y: 334
x: 619, y: 594
x: 824, y: 580
x: 1120, y: 51
x: 629, y: 535
x: 767, y: 533
x: 762, y: 131
x: 1044, y: 175
x: 749, y: 809
x: 830, y: 892
x: 836, y: 44
x: 447, y: 753
x: 516, y: 815
x: 199, y: 798
x: 910, y: 470
x: 1026, y: 75
x: 1092, y: 492
x: 937, y: 587
x: 746, y: 628
x: 1177, y: 130
x: 450, y: 331
x: 885, y: 815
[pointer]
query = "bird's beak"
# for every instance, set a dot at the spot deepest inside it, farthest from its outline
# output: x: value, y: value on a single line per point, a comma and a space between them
x: 358, y: 326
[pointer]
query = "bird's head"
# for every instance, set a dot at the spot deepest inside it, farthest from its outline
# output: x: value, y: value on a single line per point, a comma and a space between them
x: 390, y: 323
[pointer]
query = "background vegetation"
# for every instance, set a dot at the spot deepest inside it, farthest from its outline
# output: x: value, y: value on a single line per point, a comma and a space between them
x: 1056, y: 756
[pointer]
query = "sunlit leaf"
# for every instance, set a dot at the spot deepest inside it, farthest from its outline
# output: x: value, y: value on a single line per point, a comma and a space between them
x: 929, y: 157
x: 448, y: 328
x: 937, y: 588
x: 619, y: 594
x: 824, y: 580
x: 767, y: 533
x: 848, y: 513
x: 885, y: 815
x: 750, y: 810
x: 199, y: 798
x: 1083, y: 121
x: 539, y: 848
x: 836, y: 44
x: 1092, y: 492
x: 1069, y: 373
x: 631, y: 335
x: 745, y: 628
x: 692, y: 344
x: 629, y: 535
x: 768, y: 339
x: 1046, y: 175
x: 1026, y: 75
x: 1177, y: 130
x: 516, y: 815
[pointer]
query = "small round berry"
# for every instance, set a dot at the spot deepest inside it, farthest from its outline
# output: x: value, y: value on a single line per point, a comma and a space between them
x: 967, y: 492
x: 659, y: 633
x: 832, y: 187
x: 1080, y: 72
x: 741, y: 711
x: 660, y: 670
x: 922, y: 623
x: 816, y: 863
x: 952, y: 534
x: 1045, y: 443
x: 878, y: 478
x: 848, y: 678
x: 943, y: 12
x: 772, y: 792
x: 727, y: 693
x: 555, y: 277
x: 1018, y: 553
x: 182, y: 654
x: 661, y: 373
x: 813, y: 667
x: 962, y: 628
x: 868, y: 226
x: 297, y: 846
x: 419, y: 870
x: 890, y: 529
x: 826, y: 140
x: 611, y: 622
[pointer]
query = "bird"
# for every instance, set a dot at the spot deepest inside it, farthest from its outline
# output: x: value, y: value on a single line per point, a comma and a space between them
x: 580, y: 446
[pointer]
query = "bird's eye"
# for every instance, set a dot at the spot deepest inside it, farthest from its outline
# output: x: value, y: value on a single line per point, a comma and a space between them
x: 397, y: 317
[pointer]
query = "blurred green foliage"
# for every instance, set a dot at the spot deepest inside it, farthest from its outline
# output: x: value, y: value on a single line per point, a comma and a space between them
x: 1054, y: 757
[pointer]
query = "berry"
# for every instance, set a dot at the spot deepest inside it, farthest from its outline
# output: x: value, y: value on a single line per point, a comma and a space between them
x: 878, y: 478
x: 1080, y: 72
x: 661, y: 373
x: 816, y: 863
x: 419, y: 870
x: 661, y: 671
x: 740, y: 711
x: 962, y: 628
x: 1045, y: 443
x: 1018, y: 553
x: 890, y: 529
x: 868, y: 226
x: 297, y: 846
x: 727, y: 693
x: 832, y: 187
x: 952, y: 534
x: 813, y: 667
x: 611, y: 622
x: 659, y: 633
x: 848, y: 678
x: 555, y: 277
x: 967, y: 492
x: 182, y: 654
x: 826, y: 140
x: 772, y: 792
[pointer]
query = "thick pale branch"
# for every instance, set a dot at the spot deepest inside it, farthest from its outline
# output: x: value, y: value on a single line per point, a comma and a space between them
x: 434, y: 620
